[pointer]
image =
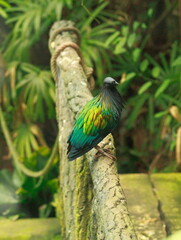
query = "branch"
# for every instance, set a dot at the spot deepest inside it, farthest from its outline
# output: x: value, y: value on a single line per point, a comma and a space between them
x: 109, y: 217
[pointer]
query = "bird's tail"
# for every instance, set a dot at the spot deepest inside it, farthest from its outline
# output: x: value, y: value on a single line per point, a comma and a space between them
x: 74, y: 153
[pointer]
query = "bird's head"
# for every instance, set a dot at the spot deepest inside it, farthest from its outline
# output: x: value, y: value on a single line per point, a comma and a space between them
x: 110, y: 82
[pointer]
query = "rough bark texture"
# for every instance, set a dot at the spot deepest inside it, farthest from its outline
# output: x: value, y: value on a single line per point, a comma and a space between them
x: 91, y: 202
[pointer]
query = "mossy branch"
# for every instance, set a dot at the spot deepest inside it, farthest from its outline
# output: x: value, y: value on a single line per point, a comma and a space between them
x: 92, y: 200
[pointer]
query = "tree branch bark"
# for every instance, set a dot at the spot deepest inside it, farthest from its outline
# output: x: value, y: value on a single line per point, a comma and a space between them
x: 91, y: 201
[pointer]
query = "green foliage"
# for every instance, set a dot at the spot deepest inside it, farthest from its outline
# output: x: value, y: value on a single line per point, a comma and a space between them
x: 19, y: 193
x: 30, y: 19
x: 38, y: 90
x: 30, y: 98
x: 3, y: 8
x: 93, y: 44
x: 25, y: 140
x: 159, y: 90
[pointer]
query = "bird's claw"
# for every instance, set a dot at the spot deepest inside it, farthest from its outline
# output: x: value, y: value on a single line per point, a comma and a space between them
x: 108, y: 153
x: 105, y: 152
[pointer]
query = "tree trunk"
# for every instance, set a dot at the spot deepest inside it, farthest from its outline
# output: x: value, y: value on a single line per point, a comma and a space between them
x: 91, y: 203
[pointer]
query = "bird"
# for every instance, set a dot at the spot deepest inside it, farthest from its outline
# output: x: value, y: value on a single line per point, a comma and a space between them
x: 99, y: 117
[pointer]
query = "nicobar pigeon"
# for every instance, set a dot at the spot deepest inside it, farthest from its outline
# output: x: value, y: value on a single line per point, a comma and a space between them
x: 98, y: 118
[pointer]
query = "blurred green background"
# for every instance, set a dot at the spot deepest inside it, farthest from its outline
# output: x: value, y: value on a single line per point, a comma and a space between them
x: 136, y: 42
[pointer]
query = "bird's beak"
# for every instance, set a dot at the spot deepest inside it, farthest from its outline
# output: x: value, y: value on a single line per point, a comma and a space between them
x: 116, y: 83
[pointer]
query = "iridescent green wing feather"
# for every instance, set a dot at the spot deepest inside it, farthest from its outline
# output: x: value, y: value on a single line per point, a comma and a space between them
x: 93, y: 123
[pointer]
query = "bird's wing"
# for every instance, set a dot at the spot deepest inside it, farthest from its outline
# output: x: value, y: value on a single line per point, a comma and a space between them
x: 92, y: 125
x: 95, y: 120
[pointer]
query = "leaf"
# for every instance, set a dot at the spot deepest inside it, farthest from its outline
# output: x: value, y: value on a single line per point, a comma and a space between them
x: 177, y: 62
x: 4, y: 3
x: 136, y: 54
x: 171, y: 100
x: 36, y: 85
x: 95, y: 30
x: 93, y: 15
x: 37, y: 20
x: 111, y: 38
x: 136, y: 24
x: 97, y: 43
x: 162, y: 88
x: 102, y: 30
x: 144, y: 64
x: 44, y: 210
x: 160, y: 114
x: 52, y: 94
x: 136, y: 110
x: 58, y: 10
x: 7, y: 190
x: 18, y: 178
x: 156, y: 72
x: 3, y: 13
x: 125, y: 31
x: 53, y: 185
x: 131, y: 39
x: 152, y: 60
x: 144, y: 87
x: 150, y: 12
x: 5, y: 176
x: 164, y: 62
x: 25, y: 141
x: 130, y: 76
x: 144, y: 26
x: 119, y: 47
x: 29, y: 68
x: 151, y: 114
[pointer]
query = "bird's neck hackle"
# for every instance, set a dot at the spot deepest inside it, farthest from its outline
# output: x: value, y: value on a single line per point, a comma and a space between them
x: 111, y: 98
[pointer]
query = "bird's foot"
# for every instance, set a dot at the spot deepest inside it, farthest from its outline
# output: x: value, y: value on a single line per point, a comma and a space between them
x: 105, y: 152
